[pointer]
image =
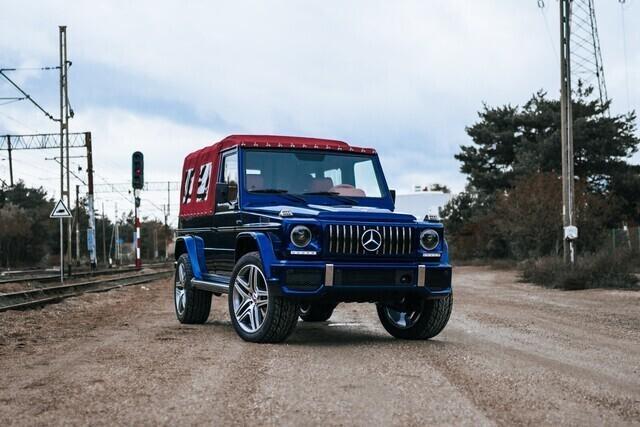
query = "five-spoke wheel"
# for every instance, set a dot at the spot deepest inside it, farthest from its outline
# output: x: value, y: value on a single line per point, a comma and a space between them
x: 250, y: 298
x: 256, y: 315
x: 415, y: 320
x: 192, y: 305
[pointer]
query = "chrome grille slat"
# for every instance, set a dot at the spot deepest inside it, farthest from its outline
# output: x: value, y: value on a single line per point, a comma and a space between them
x: 345, y: 239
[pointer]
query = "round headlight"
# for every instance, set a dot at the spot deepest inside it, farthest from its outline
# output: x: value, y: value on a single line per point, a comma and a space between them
x: 429, y: 239
x: 300, y: 236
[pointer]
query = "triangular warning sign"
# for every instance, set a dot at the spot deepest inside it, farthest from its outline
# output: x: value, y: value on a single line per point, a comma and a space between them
x: 60, y: 211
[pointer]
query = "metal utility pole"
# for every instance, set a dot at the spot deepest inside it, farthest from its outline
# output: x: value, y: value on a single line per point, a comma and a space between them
x: 104, y: 242
x: 117, y: 238
x: 77, y: 221
x: 63, y: 79
x: 65, y: 84
x: 91, y: 232
x: 566, y: 133
x: 10, y: 161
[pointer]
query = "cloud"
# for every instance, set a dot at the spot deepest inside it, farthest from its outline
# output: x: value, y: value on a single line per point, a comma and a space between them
x: 404, y: 77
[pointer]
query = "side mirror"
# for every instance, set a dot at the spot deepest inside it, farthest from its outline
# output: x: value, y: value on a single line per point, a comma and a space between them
x: 222, y: 193
x: 393, y: 195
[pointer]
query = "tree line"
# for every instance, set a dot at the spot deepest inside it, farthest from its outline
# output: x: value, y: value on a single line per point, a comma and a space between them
x: 28, y: 237
x: 512, y: 204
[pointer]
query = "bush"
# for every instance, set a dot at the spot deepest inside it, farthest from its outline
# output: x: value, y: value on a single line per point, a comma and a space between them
x: 602, y: 270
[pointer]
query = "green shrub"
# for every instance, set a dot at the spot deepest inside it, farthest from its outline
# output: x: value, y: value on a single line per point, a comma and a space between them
x: 601, y: 270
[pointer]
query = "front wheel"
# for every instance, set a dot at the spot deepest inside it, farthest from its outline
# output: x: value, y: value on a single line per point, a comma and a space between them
x: 256, y: 315
x: 416, y: 320
x: 316, y: 312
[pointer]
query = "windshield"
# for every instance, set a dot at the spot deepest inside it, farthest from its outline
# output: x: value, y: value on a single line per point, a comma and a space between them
x: 311, y: 173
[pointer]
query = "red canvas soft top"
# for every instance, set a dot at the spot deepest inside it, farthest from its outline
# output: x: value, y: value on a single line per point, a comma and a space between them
x: 197, y: 192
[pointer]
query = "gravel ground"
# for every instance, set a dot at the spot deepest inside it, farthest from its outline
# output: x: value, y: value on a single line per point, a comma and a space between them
x: 511, y: 354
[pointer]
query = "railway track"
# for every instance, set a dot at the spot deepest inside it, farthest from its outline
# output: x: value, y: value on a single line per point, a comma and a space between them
x: 52, y: 276
x: 47, y: 295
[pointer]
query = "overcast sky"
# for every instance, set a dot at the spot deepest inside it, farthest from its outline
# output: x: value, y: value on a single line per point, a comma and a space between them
x: 404, y: 77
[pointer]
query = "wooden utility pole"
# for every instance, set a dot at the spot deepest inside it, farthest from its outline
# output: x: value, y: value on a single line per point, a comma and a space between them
x: 566, y: 133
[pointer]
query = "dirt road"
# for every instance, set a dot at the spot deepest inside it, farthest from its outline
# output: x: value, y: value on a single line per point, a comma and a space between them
x: 511, y: 354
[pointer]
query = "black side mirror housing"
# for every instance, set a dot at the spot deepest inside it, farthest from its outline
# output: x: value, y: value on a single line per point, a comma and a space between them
x: 222, y: 192
x: 393, y: 195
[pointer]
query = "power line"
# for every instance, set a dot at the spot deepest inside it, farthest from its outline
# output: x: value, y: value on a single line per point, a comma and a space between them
x: 26, y: 95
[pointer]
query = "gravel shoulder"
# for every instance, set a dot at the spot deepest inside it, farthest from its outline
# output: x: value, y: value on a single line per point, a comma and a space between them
x: 512, y: 354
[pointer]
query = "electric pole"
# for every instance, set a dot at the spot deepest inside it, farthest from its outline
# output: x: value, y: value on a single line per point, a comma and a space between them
x: 63, y: 37
x: 566, y: 133
x: 77, y: 221
x: 104, y: 242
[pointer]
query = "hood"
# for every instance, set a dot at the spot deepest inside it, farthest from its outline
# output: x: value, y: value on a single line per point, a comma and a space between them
x: 337, y: 213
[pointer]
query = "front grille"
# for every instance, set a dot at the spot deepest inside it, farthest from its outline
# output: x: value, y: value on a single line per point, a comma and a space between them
x: 367, y: 277
x: 343, y: 239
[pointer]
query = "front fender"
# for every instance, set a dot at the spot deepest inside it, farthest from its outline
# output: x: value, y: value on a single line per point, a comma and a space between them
x: 265, y: 248
x: 193, y: 246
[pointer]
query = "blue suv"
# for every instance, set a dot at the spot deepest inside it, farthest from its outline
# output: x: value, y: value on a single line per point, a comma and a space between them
x: 289, y: 227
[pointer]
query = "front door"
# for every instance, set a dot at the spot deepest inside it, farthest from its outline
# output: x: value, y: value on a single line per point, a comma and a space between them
x: 226, y: 219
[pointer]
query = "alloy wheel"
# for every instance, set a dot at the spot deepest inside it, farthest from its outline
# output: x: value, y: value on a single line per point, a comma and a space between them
x: 250, y: 298
x: 402, y: 319
x: 180, y: 292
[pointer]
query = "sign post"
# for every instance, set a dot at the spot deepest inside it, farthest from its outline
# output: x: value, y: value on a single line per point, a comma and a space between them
x: 61, y: 212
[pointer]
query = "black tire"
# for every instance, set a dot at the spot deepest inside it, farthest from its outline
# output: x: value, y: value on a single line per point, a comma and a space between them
x: 196, y: 306
x: 316, y: 312
x: 433, y: 317
x: 281, y: 314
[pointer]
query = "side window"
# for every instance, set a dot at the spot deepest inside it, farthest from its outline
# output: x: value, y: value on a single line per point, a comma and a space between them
x: 366, y: 179
x: 335, y: 175
x: 230, y: 175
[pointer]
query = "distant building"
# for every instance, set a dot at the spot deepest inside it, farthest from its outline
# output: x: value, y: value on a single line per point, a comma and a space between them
x: 422, y: 203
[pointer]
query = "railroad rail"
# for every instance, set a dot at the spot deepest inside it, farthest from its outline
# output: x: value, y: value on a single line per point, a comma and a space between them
x: 42, y: 296
x: 54, y: 275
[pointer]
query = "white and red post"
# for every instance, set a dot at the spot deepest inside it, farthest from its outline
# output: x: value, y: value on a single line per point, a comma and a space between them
x: 138, y: 259
x: 137, y: 230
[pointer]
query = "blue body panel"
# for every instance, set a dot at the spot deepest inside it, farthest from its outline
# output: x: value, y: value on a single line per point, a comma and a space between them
x: 269, y: 229
x: 195, y: 249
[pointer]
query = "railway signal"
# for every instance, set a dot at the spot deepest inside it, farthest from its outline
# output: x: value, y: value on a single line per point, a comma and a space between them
x: 137, y: 170
x: 137, y: 182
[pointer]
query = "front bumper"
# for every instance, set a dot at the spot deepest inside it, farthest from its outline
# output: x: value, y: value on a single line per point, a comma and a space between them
x: 359, y: 281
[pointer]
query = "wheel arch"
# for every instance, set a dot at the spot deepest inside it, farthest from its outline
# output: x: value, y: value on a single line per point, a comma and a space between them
x: 250, y: 241
x: 193, y: 246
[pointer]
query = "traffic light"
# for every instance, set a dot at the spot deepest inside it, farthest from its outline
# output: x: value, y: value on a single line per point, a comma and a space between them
x: 137, y: 170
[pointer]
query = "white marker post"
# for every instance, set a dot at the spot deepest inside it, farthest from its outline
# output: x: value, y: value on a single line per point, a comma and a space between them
x: 61, y: 212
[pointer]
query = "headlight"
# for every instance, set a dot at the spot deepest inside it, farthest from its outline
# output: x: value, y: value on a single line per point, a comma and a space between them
x: 300, y: 236
x: 429, y: 239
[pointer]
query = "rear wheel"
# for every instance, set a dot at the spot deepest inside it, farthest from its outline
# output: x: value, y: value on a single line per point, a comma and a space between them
x: 416, y: 320
x: 192, y: 305
x: 316, y: 312
x: 256, y: 315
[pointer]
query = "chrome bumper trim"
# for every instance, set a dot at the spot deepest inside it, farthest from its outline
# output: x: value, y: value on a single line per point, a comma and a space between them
x: 328, y: 275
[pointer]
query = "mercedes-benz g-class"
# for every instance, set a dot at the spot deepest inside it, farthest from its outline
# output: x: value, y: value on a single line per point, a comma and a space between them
x: 289, y: 227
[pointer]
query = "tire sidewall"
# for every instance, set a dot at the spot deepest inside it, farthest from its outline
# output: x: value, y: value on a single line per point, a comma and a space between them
x: 184, y: 260
x: 418, y: 330
x: 252, y: 258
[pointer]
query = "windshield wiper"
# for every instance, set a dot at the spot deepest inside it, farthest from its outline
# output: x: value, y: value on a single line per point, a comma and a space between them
x: 332, y: 194
x: 280, y: 191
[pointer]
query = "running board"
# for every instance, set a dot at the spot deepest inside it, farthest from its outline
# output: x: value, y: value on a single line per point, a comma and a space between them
x: 217, y: 284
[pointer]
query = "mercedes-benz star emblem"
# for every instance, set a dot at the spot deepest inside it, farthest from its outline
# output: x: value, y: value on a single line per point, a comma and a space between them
x: 371, y: 240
